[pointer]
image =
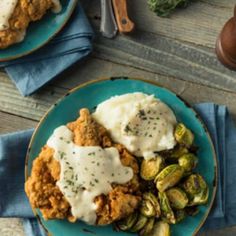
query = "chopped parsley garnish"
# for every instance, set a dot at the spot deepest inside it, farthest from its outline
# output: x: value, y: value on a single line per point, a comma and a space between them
x: 127, y: 129
x: 91, y: 154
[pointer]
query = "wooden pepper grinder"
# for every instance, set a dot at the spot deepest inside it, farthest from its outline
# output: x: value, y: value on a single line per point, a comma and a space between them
x: 226, y: 43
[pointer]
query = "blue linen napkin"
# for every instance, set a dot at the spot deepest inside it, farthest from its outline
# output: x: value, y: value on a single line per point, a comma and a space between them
x: 13, y: 202
x: 71, y: 45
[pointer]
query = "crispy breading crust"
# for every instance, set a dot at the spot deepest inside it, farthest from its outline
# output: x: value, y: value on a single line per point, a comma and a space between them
x: 44, y: 194
x: 25, y: 12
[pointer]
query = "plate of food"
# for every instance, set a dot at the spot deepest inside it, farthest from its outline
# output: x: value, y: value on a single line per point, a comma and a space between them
x: 121, y: 156
x: 28, y: 25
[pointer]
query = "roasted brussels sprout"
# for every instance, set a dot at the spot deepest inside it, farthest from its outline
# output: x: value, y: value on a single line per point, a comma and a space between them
x: 177, y: 197
x: 150, y: 168
x: 183, y: 135
x: 194, y: 184
x: 197, y: 189
x: 180, y: 215
x: 188, y: 161
x: 148, y: 227
x: 128, y: 222
x: 177, y: 152
x: 201, y: 198
x: 150, y: 206
x: 191, y: 211
x: 166, y: 210
x: 169, y: 177
x: 160, y: 228
x: 139, y: 224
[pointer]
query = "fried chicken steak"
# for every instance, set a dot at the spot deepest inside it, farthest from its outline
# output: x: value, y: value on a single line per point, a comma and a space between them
x: 24, y: 12
x: 44, y: 194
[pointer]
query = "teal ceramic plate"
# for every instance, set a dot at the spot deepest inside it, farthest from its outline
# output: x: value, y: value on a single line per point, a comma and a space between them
x: 40, y: 32
x: 89, y: 95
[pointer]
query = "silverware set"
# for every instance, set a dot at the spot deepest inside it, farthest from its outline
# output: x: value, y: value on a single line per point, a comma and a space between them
x: 114, y: 18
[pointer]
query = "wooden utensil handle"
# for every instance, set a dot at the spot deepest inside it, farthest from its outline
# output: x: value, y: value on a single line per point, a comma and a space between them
x: 125, y: 25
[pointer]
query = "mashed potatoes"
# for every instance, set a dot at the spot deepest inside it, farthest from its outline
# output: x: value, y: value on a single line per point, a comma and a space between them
x: 142, y: 123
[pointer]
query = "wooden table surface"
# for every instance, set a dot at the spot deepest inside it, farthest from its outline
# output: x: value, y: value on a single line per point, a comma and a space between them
x: 176, y: 52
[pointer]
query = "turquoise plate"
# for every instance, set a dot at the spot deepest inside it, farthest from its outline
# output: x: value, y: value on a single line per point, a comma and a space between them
x: 40, y: 32
x: 89, y: 95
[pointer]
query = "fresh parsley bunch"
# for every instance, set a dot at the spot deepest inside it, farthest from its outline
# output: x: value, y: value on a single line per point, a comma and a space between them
x: 165, y: 7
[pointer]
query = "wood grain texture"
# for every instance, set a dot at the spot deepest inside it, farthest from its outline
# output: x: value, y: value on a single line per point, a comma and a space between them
x: 168, y: 57
x: 11, y: 227
x: 160, y: 53
x: 12, y: 123
x: 199, y: 23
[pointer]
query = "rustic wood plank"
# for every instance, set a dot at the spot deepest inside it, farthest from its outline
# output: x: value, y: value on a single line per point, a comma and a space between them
x: 220, y: 3
x: 199, y: 23
x: 35, y: 106
x: 11, y: 227
x: 30, y: 107
x: 159, y: 54
x: 12, y: 123
x: 163, y: 54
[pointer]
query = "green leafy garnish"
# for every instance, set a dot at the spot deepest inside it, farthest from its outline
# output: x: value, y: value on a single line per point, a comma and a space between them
x: 165, y: 7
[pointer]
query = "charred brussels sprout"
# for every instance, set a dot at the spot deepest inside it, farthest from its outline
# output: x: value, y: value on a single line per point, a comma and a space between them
x: 166, y: 210
x: 183, y: 135
x: 169, y: 177
x: 188, y: 161
x: 139, y: 224
x: 194, y: 184
x: 180, y: 215
x: 128, y: 222
x: 160, y: 228
x: 150, y: 206
x: 197, y: 189
x: 148, y: 227
x: 150, y: 168
x: 191, y: 211
x: 177, y: 152
x: 201, y: 198
x: 177, y: 197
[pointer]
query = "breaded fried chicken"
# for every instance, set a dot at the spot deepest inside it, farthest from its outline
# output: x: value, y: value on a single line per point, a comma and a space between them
x: 44, y: 194
x: 24, y: 12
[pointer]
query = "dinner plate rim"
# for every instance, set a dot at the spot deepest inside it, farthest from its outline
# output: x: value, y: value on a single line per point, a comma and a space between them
x: 27, y: 52
x: 82, y: 85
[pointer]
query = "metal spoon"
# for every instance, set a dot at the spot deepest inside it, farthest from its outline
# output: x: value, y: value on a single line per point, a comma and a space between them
x: 108, y: 23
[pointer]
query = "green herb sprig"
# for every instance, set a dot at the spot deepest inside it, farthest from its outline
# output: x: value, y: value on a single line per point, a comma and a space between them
x: 164, y: 8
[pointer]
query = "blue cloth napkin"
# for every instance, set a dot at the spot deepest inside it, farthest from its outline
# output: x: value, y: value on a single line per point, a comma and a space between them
x: 71, y: 45
x: 13, y: 201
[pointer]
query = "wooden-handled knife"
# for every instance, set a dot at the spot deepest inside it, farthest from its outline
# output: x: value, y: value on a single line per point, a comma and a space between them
x: 125, y: 25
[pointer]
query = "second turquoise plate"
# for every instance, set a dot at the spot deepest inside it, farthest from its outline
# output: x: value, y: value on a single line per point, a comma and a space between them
x: 40, y: 32
x: 89, y: 95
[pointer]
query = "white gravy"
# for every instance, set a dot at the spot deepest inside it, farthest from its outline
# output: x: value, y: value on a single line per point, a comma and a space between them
x: 6, y: 9
x: 86, y: 172
x: 141, y: 122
